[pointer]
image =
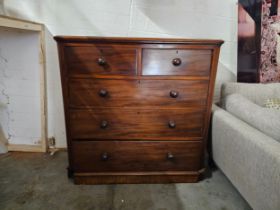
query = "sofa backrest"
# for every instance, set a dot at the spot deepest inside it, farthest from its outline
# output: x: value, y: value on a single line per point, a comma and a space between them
x: 257, y: 93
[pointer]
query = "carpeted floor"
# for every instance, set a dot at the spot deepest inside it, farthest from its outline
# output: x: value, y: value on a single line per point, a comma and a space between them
x: 35, y: 181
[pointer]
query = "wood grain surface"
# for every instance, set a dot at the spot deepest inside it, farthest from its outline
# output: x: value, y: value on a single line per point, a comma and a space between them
x: 136, y: 123
x: 137, y: 93
x: 84, y: 60
x: 136, y: 156
x: 161, y: 62
x: 137, y: 110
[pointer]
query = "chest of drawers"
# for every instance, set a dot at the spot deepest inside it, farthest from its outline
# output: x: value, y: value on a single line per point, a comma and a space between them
x: 137, y: 110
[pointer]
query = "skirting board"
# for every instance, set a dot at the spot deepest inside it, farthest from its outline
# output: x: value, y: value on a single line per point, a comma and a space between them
x: 25, y: 148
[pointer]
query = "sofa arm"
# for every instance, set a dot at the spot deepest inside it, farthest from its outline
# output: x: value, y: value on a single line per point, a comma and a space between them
x: 249, y: 158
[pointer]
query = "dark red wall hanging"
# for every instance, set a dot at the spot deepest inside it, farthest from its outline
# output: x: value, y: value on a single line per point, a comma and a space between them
x: 258, y: 41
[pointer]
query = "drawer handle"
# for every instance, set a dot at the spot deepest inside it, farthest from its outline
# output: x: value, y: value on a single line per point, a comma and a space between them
x: 101, y: 61
x: 169, y: 156
x: 104, y: 156
x: 103, y: 93
x: 174, y: 94
x: 171, y: 124
x: 104, y: 124
x: 176, y: 61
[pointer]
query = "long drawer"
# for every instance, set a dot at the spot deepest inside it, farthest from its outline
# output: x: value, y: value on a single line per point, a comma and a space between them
x: 127, y: 93
x: 164, y: 124
x: 131, y: 156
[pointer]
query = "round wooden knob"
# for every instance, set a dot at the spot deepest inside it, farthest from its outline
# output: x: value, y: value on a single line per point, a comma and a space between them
x: 169, y: 156
x: 104, y: 124
x: 176, y: 61
x: 171, y: 124
x: 103, y: 93
x: 104, y: 156
x: 174, y: 94
x: 101, y: 61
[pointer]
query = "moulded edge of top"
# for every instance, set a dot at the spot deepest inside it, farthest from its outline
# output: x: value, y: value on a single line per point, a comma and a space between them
x: 138, y: 40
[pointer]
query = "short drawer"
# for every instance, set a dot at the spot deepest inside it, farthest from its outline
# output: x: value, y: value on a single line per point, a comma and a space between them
x: 128, y: 93
x: 100, y: 60
x: 176, y: 62
x: 129, y: 156
x: 129, y: 123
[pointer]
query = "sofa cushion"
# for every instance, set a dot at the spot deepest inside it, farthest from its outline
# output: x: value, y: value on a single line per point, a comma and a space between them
x: 263, y: 119
x: 273, y: 103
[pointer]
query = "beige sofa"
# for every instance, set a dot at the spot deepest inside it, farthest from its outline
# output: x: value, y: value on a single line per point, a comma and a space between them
x: 247, y: 156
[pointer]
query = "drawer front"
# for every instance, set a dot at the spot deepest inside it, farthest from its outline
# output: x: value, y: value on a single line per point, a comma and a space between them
x: 176, y: 62
x: 121, y: 93
x: 116, y: 156
x: 165, y: 124
x: 100, y: 60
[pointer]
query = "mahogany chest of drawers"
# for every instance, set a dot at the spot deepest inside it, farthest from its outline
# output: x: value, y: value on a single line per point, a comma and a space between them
x: 137, y: 110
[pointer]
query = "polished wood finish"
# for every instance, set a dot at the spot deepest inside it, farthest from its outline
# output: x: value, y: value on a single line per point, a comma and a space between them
x: 135, y: 40
x: 138, y: 178
x: 100, y: 59
x: 148, y: 93
x: 131, y: 156
x: 136, y: 123
x: 176, y: 62
x: 137, y: 110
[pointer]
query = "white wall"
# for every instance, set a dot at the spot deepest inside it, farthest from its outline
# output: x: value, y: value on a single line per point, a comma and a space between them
x: 210, y: 19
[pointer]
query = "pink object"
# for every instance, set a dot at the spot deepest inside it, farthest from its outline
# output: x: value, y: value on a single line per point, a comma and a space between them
x: 269, y: 68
